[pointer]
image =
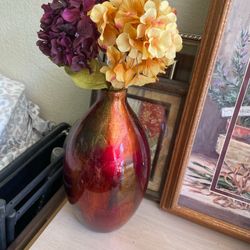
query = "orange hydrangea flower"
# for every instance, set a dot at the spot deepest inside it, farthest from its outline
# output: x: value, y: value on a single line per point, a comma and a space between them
x: 141, y: 38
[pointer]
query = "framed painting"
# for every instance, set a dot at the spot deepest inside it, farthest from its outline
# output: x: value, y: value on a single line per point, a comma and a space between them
x: 209, y: 177
x: 158, y: 111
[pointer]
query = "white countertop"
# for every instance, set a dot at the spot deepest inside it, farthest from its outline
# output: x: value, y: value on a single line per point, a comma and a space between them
x: 149, y: 229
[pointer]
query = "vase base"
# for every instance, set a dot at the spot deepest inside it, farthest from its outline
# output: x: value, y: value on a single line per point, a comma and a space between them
x: 76, y: 211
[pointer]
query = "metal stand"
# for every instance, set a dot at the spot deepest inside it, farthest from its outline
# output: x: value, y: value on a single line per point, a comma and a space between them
x: 2, y: 225
x: 10, y: 226
x: 13, y: 216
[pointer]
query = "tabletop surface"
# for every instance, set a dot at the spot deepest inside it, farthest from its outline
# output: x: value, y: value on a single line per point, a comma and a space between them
x: 149, y: 229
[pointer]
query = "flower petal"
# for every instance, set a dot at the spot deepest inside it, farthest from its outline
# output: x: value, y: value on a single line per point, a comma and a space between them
x: 88, y: 5
x: 164, y: 7
x: 71, y: 15
x: 178, y: 42
x: 122, y: 42
x: 133, y: 53
x: 140, y: 80
x: 149, y: 16
x: 129, y: 75
x: 97, y: 13
x: 149, y: 4
x: 120, y: 72
x: 141, y: 30
x: 171, y: 18
x: 171, y: 52
x: 154, y: 32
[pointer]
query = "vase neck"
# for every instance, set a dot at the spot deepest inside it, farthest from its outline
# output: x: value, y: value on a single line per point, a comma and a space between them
x: 113, y: 96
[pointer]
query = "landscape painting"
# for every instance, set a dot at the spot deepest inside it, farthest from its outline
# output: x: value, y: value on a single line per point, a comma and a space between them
x: 217, y: 178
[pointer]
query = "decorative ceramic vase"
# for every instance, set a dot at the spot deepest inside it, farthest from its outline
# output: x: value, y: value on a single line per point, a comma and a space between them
x: 107, y: 162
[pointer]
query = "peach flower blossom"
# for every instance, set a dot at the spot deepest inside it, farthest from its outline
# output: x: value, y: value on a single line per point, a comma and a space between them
x: 141, y: 38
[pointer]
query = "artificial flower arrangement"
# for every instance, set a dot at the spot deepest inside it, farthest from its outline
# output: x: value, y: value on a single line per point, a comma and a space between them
x: 110, y: 44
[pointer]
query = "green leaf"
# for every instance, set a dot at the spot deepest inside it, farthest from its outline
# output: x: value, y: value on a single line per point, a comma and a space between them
x: 83, y: 79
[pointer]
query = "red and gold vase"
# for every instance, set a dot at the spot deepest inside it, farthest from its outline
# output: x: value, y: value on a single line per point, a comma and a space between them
x: 107, y: 163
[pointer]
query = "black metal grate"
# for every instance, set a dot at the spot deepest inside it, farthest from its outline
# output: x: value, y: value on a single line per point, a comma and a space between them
x: 28, y: 183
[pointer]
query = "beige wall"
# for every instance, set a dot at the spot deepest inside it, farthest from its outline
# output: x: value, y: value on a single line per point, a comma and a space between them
x: 47, y: 85
x: 191, y: 14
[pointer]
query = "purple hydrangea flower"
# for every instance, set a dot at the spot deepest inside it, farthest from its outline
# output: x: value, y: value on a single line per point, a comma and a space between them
x: 68, y: 36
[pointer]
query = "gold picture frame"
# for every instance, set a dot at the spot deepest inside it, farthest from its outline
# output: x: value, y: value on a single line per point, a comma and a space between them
x: 174, y: 198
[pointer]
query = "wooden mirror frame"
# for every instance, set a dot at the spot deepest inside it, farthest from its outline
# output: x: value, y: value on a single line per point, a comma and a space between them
x: 195, y: 101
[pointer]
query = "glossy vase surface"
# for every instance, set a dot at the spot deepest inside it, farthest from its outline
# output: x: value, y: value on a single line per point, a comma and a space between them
x: 107, y: 162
